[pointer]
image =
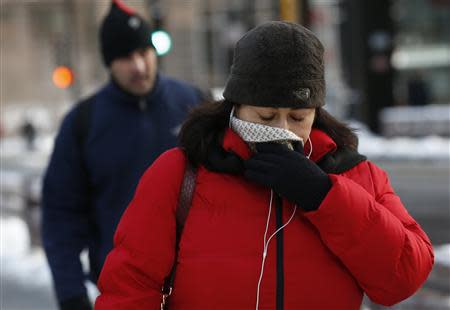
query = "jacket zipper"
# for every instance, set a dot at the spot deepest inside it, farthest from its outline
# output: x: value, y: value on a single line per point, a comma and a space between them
x: 142, y: 104
x: 280, y: 253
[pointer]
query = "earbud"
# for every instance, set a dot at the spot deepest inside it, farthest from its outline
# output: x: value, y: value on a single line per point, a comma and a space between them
x: 231, y: 116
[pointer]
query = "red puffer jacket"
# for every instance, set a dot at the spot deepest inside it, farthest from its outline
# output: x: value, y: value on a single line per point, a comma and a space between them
x: 360, y: 240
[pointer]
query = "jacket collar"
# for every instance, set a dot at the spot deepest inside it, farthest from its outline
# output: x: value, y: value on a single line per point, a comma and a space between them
x: 321, y: 142
x: 122, y: 95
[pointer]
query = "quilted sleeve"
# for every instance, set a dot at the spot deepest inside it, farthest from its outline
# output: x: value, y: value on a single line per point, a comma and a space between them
x: 144, y: 242
x: 373, y: 235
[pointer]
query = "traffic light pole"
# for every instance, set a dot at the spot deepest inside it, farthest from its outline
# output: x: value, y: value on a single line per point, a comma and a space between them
x: 294, y: 11
x: 367, y: 42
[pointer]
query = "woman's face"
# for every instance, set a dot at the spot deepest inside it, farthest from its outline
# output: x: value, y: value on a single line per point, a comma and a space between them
x: 299, y: 121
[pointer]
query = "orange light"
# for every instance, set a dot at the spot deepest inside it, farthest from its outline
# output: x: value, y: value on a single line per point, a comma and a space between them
x: 62, y: 77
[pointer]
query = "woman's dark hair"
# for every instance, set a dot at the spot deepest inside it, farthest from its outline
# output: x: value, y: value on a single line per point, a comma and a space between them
x: 341, y: 133
x: 204, y: 128
x: 206, y: 124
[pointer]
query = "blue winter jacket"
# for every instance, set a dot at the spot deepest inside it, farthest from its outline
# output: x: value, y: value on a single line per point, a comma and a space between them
x: 87, y: 186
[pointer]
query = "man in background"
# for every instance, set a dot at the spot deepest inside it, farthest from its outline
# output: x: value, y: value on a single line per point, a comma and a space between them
x: 104, y: 145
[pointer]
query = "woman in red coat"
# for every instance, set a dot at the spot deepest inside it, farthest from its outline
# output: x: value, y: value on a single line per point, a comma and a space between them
x: 285, y: 213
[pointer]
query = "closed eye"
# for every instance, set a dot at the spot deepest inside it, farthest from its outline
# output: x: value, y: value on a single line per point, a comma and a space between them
x: 297, y: 119
x: 266, y: 118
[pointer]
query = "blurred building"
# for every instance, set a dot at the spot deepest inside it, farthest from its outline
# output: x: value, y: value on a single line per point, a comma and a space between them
x: 395, y: 52
x: 422, y: 50
x: 39, y: 36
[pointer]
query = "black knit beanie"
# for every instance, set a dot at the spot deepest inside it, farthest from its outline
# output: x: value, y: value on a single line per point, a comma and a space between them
x: 122, y: 32
x: 277, y: 64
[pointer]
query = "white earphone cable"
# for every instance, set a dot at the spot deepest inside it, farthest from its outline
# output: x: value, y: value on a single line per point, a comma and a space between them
x: 264, y: 250
x: 311, y: 149
x: 266, y: 244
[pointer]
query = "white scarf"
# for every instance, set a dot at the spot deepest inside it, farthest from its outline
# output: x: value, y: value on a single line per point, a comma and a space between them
x: 256, y: 133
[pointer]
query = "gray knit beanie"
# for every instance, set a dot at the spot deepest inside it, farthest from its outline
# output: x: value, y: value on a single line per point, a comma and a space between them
x: 277, y: 64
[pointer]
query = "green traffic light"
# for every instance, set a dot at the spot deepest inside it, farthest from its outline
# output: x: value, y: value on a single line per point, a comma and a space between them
x: 162, y: 42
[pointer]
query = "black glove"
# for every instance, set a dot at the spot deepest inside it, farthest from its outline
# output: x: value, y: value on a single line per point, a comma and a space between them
x: 289, y: 173
x: 80, y: 302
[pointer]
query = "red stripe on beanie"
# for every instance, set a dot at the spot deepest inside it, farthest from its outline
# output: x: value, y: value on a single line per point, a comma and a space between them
x: 124, y: 7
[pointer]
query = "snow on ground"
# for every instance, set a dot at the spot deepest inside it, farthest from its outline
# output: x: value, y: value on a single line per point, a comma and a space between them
x: 402, y: 114
x: 18, y: 260
x: 427, y: 148
x: 15, y: 148
x: 416, y: 120
x: 423, y: 148
x: 24, y: 266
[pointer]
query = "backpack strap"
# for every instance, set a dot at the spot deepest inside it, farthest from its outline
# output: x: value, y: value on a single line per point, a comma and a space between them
x: 83, y: 120
x: 82, y: 124
x: 183, y: 207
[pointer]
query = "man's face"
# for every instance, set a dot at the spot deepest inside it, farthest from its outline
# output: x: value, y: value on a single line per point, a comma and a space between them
x: 136, y: 72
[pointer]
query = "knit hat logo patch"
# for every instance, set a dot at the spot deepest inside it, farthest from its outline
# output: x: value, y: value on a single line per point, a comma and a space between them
x: 302, y: 94
x: 134, y: 22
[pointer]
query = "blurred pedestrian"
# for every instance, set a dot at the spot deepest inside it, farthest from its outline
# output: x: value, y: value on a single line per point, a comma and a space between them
x: 285, y: 213
x: 104, y: 145
x: 28, y: 132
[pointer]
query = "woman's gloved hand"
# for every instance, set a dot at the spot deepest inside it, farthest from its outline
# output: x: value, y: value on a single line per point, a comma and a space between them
x: 289, y: 173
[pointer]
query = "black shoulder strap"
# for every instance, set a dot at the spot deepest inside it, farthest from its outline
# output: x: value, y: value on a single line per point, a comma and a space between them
x: 183, y: 207
x: 341, y: 160
x: 185, y: 198
x: 83, y: 120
